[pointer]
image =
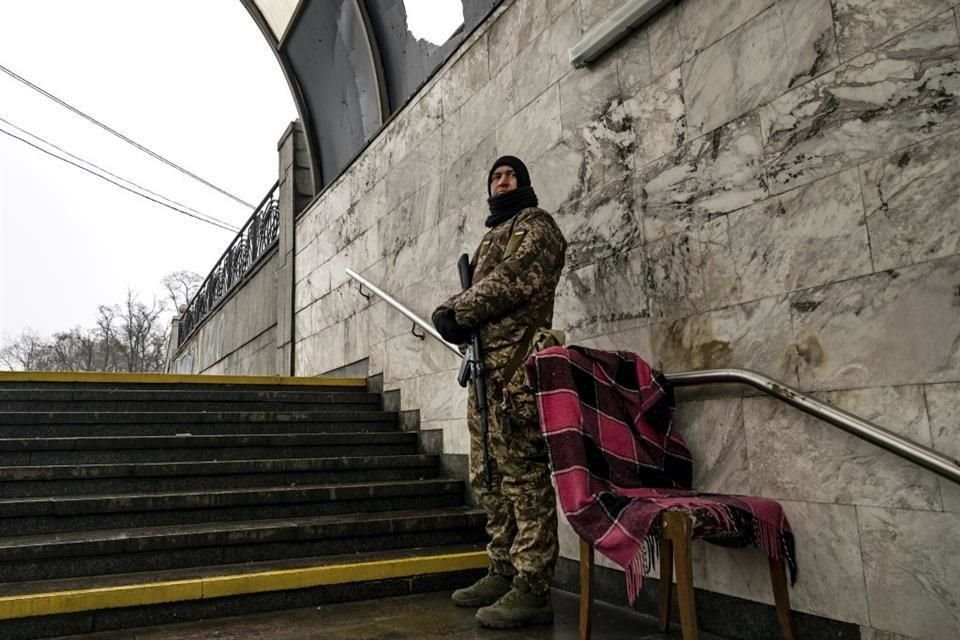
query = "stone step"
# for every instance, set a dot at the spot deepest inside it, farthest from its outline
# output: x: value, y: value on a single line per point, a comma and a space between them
x: 47, y: 608
x: 170, y: 406
x: 102, y: 552
x: 76, y: 381
x: 29, y: 516
x: 72, y: 394
x: 388, y: 424
x: 94, y: 479
x: 126, y: 449
x: 187, y: 417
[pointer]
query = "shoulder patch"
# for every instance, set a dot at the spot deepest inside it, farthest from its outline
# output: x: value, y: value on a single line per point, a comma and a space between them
x: 518, y: 235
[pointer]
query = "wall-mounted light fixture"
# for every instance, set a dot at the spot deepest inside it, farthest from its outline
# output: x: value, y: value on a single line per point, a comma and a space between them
x: 612, y: 29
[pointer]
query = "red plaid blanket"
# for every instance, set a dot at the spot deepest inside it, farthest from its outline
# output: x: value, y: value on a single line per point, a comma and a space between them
x: 618, y: 463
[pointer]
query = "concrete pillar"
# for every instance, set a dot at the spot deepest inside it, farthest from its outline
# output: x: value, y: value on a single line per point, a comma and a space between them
x: 295, y: 192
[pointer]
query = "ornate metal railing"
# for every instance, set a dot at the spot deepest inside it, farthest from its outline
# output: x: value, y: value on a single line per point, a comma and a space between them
x: 252, y: 242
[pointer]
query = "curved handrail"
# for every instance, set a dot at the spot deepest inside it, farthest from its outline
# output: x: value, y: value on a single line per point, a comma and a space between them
x: 926, y: 457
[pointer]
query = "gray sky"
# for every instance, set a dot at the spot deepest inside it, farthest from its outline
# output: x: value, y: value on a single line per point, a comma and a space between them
x: 194, y: 81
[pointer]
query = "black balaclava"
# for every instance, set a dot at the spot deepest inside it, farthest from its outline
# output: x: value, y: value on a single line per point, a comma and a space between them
x: 506, y: 205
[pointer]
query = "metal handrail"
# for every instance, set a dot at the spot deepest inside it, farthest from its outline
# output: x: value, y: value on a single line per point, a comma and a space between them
x: 926, y: 457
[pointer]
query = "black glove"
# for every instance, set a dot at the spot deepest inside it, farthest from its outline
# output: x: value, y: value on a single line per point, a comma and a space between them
x: 451, y: 330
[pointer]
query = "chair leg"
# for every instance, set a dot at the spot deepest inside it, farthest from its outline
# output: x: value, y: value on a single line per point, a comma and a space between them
x: 781, y: 595
x: 586, y: 589
x: 677, y: 528
x: 666, y: 583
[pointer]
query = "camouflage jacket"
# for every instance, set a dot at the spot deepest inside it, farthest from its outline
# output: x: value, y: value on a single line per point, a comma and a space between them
x: 516, y: 269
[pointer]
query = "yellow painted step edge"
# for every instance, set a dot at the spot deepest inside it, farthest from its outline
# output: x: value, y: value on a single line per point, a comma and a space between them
x: 45, y: 604
x: 172, y: 378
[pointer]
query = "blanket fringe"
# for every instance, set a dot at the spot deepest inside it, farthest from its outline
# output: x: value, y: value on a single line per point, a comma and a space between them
x: 646, y: 560
x: 768, y: 539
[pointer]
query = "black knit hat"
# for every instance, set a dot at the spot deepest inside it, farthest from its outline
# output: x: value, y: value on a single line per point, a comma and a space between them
x: 523, y: 175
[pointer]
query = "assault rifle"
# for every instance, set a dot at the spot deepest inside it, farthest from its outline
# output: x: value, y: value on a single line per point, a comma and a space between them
x: 472, y: 367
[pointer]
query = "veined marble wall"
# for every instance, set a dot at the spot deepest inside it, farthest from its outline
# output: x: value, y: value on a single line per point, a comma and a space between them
x: 770, y: 184
x: 239, y: 338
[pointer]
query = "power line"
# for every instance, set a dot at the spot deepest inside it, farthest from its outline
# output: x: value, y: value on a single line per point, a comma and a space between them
x: 106, y: 128
x: 124, y: 187
x: 113, y: 175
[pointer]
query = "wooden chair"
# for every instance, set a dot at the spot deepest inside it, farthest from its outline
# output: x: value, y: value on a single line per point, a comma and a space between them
x: 675, y: 538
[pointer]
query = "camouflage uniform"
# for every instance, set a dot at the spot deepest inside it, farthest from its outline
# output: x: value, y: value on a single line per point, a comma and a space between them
x: 516, y: 271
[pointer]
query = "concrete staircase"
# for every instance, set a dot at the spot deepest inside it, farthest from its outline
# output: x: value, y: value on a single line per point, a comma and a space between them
x: 133, y: 500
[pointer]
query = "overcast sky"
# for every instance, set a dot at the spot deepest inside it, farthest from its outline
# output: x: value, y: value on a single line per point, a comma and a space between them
x: 194, y: 81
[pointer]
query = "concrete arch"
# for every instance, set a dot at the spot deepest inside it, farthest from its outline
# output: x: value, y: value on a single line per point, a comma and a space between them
x: 350, y: 65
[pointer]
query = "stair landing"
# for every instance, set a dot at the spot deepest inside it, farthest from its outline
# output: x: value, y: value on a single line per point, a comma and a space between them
x: 427, y: 616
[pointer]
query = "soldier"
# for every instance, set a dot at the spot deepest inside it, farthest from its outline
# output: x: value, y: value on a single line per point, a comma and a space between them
x: 516, y: 269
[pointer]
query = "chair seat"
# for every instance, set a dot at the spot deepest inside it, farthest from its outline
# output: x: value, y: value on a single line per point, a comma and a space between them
x: 679, y: 526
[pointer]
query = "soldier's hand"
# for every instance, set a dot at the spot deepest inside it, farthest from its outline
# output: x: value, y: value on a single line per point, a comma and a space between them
x: 448, y: 327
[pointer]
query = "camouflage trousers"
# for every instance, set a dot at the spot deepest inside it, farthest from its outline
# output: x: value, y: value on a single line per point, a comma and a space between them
x: 520, y: 503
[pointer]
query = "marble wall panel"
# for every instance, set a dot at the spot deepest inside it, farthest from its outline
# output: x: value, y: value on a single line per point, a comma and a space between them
x: 659, y: 118
x: 637, y: 340
x: 703, y: 22
x: 456, y: 439
x: 520, y: 25
x: 756, y: 335
x: 803, y: 238
x: 674, y: 278
x: 320, y: 352
x: 666, y: 46
x: 371, y: 206
x: 891, y: 328
x: 715, y: 435
x: 424, y: 295
x: 863, y: 24
x: 912, y: 199
x: 210, y: 349
x: 349, y: 258
x: 554, y: 176
x: 604, y: 297
x: 466, y: 177
x: 419, y: 166
x: 943, y: 405
x: 903, y: 92
x: 534, y: 129
x: 633, y: 61
x: 367, y: 169
x: 757, y: 62
x: 335, y: 199
x: 797, y: 457
x: 409, y: 357
x: 307, y: 228
x: 593, y: 11
x: 722, y: 284
x: 602, y: 225
x: 356, y: 340
x: 584, y: 93
x: 409, y: 394
x: 712, y: 175
x: 606, y: 145
x: 442, y: 398
x: 480, y: 115
x: 828, y: 556
x: 545, y: 61
x: 378, y: 317
x: 912, y: 566
x: 467, y: 75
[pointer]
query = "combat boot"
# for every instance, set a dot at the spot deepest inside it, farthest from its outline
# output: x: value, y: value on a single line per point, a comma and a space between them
x: 483, y: 592
x: 520, y: 607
